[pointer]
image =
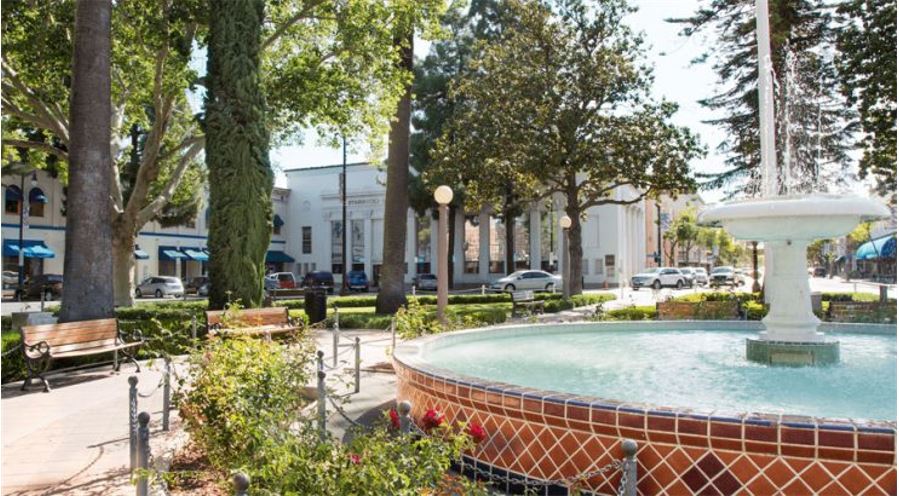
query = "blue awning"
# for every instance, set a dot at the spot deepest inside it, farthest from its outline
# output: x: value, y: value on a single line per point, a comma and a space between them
x: 170, y: 253
x: 33, y: 249
x: 278, y: 221
x: 140, y: 254
x: 13, y: 193
x: 277, y: 256
x: 196, y: 254
x: 884, y: 247
x: 37, y: 195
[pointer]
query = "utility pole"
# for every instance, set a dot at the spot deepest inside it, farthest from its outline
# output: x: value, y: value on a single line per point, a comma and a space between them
x: 343, y: 257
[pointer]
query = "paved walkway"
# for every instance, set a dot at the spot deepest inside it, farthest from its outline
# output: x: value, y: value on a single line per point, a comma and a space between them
x: 74, y: 440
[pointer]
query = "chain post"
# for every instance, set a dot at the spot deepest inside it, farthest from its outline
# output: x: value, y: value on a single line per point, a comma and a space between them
x: 335, y: 342
x: 413, y: 290
x: 322, y: 407
x: 358, y: 364
x: 132, y: 421
x: 483, y: 289
x: 166, y: 392
x: 404, y: 408
x: 193, y: 329
x: 143, y: 451
x: 629, y: 468
x: 241, y: 484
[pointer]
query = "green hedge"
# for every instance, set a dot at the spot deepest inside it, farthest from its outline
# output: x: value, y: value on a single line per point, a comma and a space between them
x: 455, y: 299
x: 630, y: 313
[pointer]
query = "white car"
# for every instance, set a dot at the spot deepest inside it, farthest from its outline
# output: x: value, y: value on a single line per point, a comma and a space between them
x: 657, y: 277
x: 160, y: 286
x: 700, y: 276
x: 528, y: 279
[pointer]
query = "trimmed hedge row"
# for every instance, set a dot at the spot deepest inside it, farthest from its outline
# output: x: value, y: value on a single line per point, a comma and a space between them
x: 455, y: 299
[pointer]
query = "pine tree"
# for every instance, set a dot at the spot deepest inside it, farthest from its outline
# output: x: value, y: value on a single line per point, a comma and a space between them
x: 237, y: 142
x: 819, y: 122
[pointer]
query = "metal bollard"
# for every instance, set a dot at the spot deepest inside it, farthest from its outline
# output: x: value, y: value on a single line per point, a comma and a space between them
x: 335, y: 343
x: 630, y: 467
x: 143, y: 452
x: 337, y: 317
x: 483, y: 290
x: 241, y: 484
x: 322, y: 408
x: 413, y: 290
x: 132, y: 421
x: 43, y: 292
x: 404, y: 408
x: 166, y: 392
x: 358, y: 364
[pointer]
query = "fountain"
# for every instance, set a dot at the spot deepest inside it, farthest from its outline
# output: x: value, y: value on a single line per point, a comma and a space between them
x: 787, y: 224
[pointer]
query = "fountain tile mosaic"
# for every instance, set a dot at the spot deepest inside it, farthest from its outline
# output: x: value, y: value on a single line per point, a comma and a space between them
x: 554, y: 437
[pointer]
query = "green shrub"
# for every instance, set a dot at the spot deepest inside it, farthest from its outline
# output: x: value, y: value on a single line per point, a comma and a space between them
x: 630, y: 313
x: 849, y: 296
x: 755, y: 310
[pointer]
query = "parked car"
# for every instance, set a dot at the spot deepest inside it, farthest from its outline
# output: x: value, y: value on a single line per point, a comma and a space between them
x: 319, y: 279
x: 357, y: 279
x: 724, y: 275
x: 48, y: 285
x: 10, y: 283
x: 689, y: 275
x: 700, y: 276
x: 427, y: 282
x: 658, y: 277
x: 198, y: 286
x: 528, y: 279
x: 280, y: 280
x: 819, y: 272
x: 160, y: 287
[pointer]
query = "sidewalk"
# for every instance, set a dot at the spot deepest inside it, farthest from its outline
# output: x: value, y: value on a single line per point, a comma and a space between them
x: 74, y: 439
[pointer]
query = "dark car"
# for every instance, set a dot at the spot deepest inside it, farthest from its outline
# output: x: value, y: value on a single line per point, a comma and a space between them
x: 48, y: 285
x: 319, y: 279
x: 356, y: 279
x: 197, y: 285
x: 819, y: 272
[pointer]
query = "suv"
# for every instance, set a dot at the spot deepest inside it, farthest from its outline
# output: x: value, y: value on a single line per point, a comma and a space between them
x: 724, y: 276
x: 700, y: 276
x: 160, y: 286
x: 357, y: 279
x: 198, y: 285
x: 427, y: 282
x: 280, y: 280
x: 689, y: 274
x: 658, y: 277
x: 319, y: 279
x: 47, y: 285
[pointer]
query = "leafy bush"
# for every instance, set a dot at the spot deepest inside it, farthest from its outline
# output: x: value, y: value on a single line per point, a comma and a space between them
x: 755, y: 310
x: 837, y: 296
x: 630, y: 313
x: 554, y: 305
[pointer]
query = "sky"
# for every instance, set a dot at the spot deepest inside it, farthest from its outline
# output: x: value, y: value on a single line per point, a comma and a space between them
x: 675, y: 80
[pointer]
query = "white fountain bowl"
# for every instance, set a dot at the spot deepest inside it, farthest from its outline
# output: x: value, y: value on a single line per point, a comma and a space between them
x: 794, y: 217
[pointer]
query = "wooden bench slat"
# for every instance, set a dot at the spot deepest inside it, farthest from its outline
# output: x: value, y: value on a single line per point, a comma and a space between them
x: 94, y: 351
x: 72, y: 325
x: 254, y: 322
x: 72, y: 335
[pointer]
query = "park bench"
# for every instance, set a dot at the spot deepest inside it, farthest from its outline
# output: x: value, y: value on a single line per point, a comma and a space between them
x: 862, y: 311
x: 266, y: 322
x: 525, y: 299
x: 703, y: 310
x: 41, y: 344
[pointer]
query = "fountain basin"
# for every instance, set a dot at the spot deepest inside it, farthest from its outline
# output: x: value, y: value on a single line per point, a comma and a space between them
x: 691, y: 438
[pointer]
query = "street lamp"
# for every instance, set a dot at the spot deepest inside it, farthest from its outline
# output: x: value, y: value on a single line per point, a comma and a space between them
x: 565, y: 223
x: 442, y: 195
x: 22, y: 169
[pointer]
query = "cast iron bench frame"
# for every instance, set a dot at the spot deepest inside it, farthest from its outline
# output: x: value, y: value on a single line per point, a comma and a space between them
x: 265, y: 322
x: 526, y: 299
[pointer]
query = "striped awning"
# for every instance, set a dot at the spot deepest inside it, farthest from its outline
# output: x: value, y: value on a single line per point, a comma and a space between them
x: 170, y: 253
x: 32, y: 249
x: 884, y: 247
x: 196, y: 254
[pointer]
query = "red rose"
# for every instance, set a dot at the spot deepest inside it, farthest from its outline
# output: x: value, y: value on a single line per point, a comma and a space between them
x: 432, y: 418
x: 394, y: 419
x: 477, y: 432
x: 355, y: 459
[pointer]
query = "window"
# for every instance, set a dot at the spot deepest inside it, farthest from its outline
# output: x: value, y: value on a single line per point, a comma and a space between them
x: 585, y: 266
x: 36, y: 201
x: 523, y: 242
x: 307, y: 240
x: 471, y: 249
x: 497, y: 237
x: 422, y: 244
x: 357, y: 244
x: 547, y: 241
x: 597, y: 266
x: 12, y: 198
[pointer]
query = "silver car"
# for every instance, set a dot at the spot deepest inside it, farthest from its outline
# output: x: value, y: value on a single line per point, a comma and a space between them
x: 528, y: 279
x: 700, y: 276
x: 159, y: 286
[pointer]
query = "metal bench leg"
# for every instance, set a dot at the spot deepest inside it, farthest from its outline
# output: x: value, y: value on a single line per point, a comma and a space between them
x: 115, y: 360
x: 130, y: 357
x: 37, y: 371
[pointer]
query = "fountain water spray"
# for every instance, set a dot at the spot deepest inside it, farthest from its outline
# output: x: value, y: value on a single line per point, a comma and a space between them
x: 787, y: 224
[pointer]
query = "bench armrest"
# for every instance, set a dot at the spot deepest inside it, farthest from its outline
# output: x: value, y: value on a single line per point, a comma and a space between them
x: 39, y: 349
x: 134, y: 336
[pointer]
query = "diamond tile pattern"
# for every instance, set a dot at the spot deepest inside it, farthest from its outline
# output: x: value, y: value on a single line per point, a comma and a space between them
x: 532, y: 437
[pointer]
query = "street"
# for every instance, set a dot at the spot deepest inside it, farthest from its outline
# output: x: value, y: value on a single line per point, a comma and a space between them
x: 626, y: 296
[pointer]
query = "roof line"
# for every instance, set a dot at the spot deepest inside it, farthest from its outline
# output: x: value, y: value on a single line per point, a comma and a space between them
x: 349, y: 164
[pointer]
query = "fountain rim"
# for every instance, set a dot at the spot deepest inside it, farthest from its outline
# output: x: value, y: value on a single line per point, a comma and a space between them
x: 410, y: 355
x: 814, y: 205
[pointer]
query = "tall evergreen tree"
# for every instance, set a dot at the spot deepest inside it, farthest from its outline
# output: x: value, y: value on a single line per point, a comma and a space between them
x: 87, y: 274
x: 237, y: 141
x: 867, y: 67
x: 819, y: 123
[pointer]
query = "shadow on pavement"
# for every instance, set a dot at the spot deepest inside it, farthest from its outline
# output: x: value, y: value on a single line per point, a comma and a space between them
x: 14, y: 390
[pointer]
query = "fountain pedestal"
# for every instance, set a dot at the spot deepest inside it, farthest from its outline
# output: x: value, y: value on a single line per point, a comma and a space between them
x: 787, y: 225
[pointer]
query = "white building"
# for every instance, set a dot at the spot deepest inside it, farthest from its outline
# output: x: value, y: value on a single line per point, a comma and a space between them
x: 612, y: 234
x: 307, y: 231
x: 175, y: 251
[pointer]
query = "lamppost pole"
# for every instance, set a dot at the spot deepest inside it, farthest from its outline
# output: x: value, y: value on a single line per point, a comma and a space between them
x: 343, y: 284
x: 565, y: 223
x: 20, y: 288
x: 443, y: 195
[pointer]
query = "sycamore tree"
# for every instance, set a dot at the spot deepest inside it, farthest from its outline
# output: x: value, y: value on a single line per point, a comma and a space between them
x: 560, y: 106
x: 819, y: 121
x: 867, y: 73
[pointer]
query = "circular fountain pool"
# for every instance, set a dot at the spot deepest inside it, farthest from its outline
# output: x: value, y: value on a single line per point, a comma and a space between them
x: 557, y: 400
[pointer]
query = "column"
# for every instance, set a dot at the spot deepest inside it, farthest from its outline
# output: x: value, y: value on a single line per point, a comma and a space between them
x: 458, y: 243
x: 534, y: 238
x: 484, y: 246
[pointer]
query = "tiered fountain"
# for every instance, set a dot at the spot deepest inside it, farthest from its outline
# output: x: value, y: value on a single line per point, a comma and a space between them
x: 787, y: 224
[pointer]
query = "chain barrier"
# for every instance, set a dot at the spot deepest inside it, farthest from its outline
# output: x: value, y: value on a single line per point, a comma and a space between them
x: 9, y: 351
x: 345, y: 415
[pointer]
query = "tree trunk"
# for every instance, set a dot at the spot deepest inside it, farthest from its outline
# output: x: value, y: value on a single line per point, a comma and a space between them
x: 509, y: 221
x: 396, y: 203
x: 452, y: 244
x: 123, y: 265
x: 240, y: 175
x: 575, y: 251
x: 87, y: 269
